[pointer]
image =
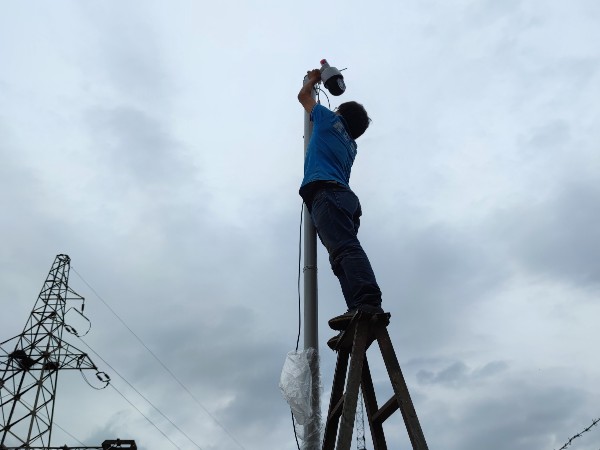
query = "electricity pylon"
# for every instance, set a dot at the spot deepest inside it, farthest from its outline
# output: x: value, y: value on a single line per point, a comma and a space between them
x: 360, y: 423
x: 31, y: 361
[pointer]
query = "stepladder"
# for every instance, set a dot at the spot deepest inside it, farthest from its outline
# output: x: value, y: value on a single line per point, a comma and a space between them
x: 352, y: 373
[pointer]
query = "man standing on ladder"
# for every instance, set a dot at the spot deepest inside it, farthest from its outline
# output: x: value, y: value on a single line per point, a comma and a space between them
x: 335, y: 210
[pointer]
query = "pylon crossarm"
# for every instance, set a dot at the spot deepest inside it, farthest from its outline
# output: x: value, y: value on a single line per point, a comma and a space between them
x: 32, y: 357
x: 73, y: 358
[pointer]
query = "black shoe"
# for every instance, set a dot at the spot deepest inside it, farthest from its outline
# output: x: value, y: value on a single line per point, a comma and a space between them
x: 341, y: 322
x: 334, y: 341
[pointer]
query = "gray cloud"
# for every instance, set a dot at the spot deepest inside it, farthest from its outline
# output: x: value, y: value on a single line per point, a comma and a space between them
x: 155, y: 144
x: 558, y: 237
x: 458, y: 374
x: 136, y: 143
x: 437, y: 274
x: 127, y: 55
x: 526, y: 417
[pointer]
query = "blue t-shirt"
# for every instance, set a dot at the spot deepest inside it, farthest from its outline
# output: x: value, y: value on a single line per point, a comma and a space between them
x: 331, y: 150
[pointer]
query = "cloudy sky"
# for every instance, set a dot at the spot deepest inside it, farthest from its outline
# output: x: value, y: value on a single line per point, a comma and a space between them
x: 159, y: 145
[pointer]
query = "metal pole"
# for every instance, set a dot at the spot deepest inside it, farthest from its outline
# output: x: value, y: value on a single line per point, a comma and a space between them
x: 311, y: 316
x: 311, y: 335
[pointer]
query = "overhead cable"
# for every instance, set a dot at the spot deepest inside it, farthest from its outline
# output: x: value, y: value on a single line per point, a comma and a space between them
x: 145, y: 416
x: 169, y: 371
x: 140, y: 394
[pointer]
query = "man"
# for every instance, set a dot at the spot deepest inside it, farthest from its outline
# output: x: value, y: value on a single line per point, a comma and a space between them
x: 335, y: 210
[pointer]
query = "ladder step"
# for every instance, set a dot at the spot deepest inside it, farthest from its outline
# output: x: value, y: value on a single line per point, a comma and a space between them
x: 336, y: 411
x: 389, y: 408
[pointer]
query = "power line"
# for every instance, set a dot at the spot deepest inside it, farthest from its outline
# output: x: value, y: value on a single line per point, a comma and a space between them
x: 160, y: 362
x: 146, y: 417
x: 140, y: 394
x: 67, y: 433
x: 579, y: 434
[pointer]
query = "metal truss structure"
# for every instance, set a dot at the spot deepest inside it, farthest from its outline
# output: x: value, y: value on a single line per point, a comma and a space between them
x: 360, y: 423
x: 31, y: 361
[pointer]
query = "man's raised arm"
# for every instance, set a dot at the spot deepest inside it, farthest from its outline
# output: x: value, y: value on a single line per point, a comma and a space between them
x: 305, y: 95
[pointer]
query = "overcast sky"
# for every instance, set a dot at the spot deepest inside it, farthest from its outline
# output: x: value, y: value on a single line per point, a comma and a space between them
x: 159, y: 145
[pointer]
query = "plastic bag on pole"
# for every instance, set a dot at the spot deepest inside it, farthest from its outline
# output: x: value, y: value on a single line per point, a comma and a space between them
x: 298, y: 382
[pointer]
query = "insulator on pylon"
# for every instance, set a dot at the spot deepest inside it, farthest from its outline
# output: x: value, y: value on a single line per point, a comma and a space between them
x: 50, y: 366
x: 24, y: 361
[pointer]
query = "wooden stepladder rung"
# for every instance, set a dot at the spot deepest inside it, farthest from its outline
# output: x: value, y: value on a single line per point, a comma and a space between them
x: 352, y: 372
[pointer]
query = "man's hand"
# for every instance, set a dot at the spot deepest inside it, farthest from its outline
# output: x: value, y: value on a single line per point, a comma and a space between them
x: 314, y: 76
x: 305, y: 94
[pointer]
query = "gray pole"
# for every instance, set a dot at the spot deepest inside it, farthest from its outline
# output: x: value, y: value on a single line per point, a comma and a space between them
x: 311, y: 316
x: 311, y: 334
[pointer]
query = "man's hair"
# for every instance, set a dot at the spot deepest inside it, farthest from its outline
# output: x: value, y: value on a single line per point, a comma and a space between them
x: 355, y: 116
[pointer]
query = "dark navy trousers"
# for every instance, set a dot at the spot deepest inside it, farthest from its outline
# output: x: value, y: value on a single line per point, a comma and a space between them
x: 335, y: 212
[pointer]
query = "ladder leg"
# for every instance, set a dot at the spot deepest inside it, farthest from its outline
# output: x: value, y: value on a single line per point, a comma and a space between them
x: 371, y: 407
x: 359, y: 347
x: 337, y: 394
x: 407, y: 408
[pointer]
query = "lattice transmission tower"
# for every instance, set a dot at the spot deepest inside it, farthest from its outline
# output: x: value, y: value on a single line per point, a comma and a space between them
x: 31, y: 361
x: 360, y: 423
